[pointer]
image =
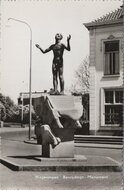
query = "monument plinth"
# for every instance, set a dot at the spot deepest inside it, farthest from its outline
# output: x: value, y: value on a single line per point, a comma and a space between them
x: 61, y: 114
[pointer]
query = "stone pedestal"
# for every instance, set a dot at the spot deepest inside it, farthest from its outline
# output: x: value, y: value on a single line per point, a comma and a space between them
x: 46, y: 150
x: 65, y: 149
x: 1, y: 124
x: 60, y: 113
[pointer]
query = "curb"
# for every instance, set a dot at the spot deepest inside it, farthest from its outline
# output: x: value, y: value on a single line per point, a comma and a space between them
x: 104, y: 146
x: 61, y: 168
x: 84, y: 145
x: 11, y: 165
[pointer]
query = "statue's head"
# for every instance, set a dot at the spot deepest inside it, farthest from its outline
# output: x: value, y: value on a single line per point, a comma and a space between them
x: 58, y: 36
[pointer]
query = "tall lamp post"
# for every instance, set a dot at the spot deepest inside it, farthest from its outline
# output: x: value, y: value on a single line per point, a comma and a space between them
x: 30, y: 73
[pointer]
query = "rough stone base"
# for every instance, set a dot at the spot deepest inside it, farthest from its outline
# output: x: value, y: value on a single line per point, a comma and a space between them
x: 75, y: 159
x: 79, y: 163
x: 63, y: 150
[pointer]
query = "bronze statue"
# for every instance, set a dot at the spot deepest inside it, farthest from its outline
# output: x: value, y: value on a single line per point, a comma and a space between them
x: 57, y: 66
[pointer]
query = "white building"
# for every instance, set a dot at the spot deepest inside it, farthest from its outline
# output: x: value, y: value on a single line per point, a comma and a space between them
x: 106, y: 73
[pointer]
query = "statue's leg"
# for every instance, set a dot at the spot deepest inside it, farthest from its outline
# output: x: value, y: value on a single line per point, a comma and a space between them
x: 48, y: 137
x: 61, y: 80
x: 55, y: 81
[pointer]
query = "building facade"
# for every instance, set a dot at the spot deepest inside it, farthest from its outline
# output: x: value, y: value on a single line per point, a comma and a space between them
x: 106, y: 73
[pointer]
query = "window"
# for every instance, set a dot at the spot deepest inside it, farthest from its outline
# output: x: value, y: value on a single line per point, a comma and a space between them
x: 119, y: 96
x: 113, y: 106
x: 111, y: 58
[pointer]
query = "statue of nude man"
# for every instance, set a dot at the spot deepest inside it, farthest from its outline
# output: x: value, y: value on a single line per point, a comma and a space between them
x: 57, y: 66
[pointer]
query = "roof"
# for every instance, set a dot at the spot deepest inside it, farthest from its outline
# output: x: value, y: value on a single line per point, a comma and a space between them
x: 25, y: 95
x: 110, y: 18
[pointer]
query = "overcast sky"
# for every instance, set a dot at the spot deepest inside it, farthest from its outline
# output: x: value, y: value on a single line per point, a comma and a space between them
x: 46, y: 18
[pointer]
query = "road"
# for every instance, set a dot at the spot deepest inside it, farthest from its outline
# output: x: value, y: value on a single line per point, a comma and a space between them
x: 21, y: 134
x: 59, y: 180
x: 56, y: 180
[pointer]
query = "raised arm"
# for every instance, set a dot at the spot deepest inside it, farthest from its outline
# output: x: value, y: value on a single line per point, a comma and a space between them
x: 43, y: 51
x: 68, y: 43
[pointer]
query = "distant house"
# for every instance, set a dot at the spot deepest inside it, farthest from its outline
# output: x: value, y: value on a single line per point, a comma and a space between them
x: 106, y: 73
x: 24, y: 97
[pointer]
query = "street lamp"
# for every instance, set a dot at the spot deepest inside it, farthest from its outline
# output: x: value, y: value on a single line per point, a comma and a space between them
x: 30, y: 73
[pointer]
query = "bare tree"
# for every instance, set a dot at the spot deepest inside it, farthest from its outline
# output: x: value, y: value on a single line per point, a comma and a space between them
x: 81, y: 80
